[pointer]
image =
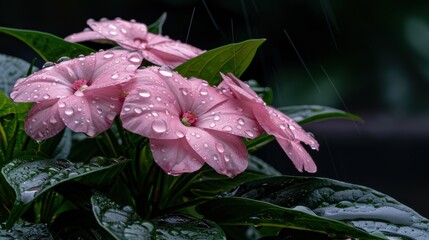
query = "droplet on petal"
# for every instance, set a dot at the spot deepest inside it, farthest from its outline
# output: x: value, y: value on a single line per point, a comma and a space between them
x: 249, y: 133
x: 165, y: 71
x: 159, y: 126
x: 219, y: 147
x: 69, y: 111
x: 144, y: 94
x: 203, y: 92
x: 108, y: 55
x: 227, y: 128
x: 180, y: 134
x: 241, y: 121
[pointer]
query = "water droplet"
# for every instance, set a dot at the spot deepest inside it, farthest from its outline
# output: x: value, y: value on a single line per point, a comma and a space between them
x: 61, y: 105
x: 212, y: 125
x: 69, y: 111
x: 205, y: 145
x: 216, y: 118
x: 159, y: 126
x: 282, y: 126
x: 227, y: 157
x: 46, y: 96
x: 115, y: 75
x: 144, y: 94
x: 48, y: 65
x: 291, y: 127
x: 127, y: 109
x: 241, y: 121
x: 180, y: 134
x: 203, y: 92
x: 249, y: 133
x: 215, y: 157
x: 111, y: 115
x: 219, y: 147
x: 158, y: 99
x: 79, y: 94
x: 108, y: 55
x: 134, y: 59
x: 185, y: 91
x: 53, y: 120
x: 227, y: 128
x: 165, y: 71
x: 138, y: 110
x: 62, y: 59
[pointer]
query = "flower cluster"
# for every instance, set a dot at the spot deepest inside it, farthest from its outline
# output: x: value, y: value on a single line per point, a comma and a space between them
x: 189, y: 123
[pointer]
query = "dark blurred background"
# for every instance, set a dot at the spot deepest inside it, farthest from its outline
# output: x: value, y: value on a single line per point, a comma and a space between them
x: 367, y: 57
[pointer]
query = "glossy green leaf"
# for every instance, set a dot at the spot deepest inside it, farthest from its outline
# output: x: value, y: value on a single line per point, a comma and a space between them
x: 258, y: 165
x: 26, y: 230
x: 156, y: 27
x: 310, y: 113
x: 302, y: 114
x: 178, y: 227
x: 12, y: 69
x: 48, y: 46
x: 355, y: 205
x: 122, y: 222
x: 30, y: 179
x: 237, y: 211
x: 234, y: 58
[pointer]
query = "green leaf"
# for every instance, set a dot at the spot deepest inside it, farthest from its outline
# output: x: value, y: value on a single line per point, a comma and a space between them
x: 122, y: 222
x: 310, y: 113
x: 28, y: 231
x: 11, y: 69
x: 156, y: 27
x: 178, y: 227
x: 301, y: 114
x: 234, y: 58
x: 30, y: 179
x: 236, y: 211
x: 257, y: 165
x: 355, y: 205
x: 48, y: 46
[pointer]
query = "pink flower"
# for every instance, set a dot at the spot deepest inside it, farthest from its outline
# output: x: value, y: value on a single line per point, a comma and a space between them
x: 84, y: 94
x: 286, y: 131
x: 189, y: 123
x: 155, y: 48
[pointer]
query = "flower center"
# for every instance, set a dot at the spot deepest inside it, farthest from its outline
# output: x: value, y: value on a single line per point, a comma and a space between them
x: 188, y: 118
x: 80, y: 85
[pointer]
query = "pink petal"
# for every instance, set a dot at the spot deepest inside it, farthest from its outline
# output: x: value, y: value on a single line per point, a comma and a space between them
x: 114, y: 67
x: 230, y: 117
x: 164, y: 51
x: 93, y: 112
x: 289, y: 129
x: 175, y: 156
x: 43, y: 120
x: 240, y: 89
x: 127, y: 34
x: 84, y: 36
x: 151, y: 109
x: 300, y: 158
x: 224, y: 152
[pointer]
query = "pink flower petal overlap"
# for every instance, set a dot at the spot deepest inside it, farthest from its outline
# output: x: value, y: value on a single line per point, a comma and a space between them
x: 132, y: 35
x: 83, y: 94
x: 173, y: 111
x: 286, y: 131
